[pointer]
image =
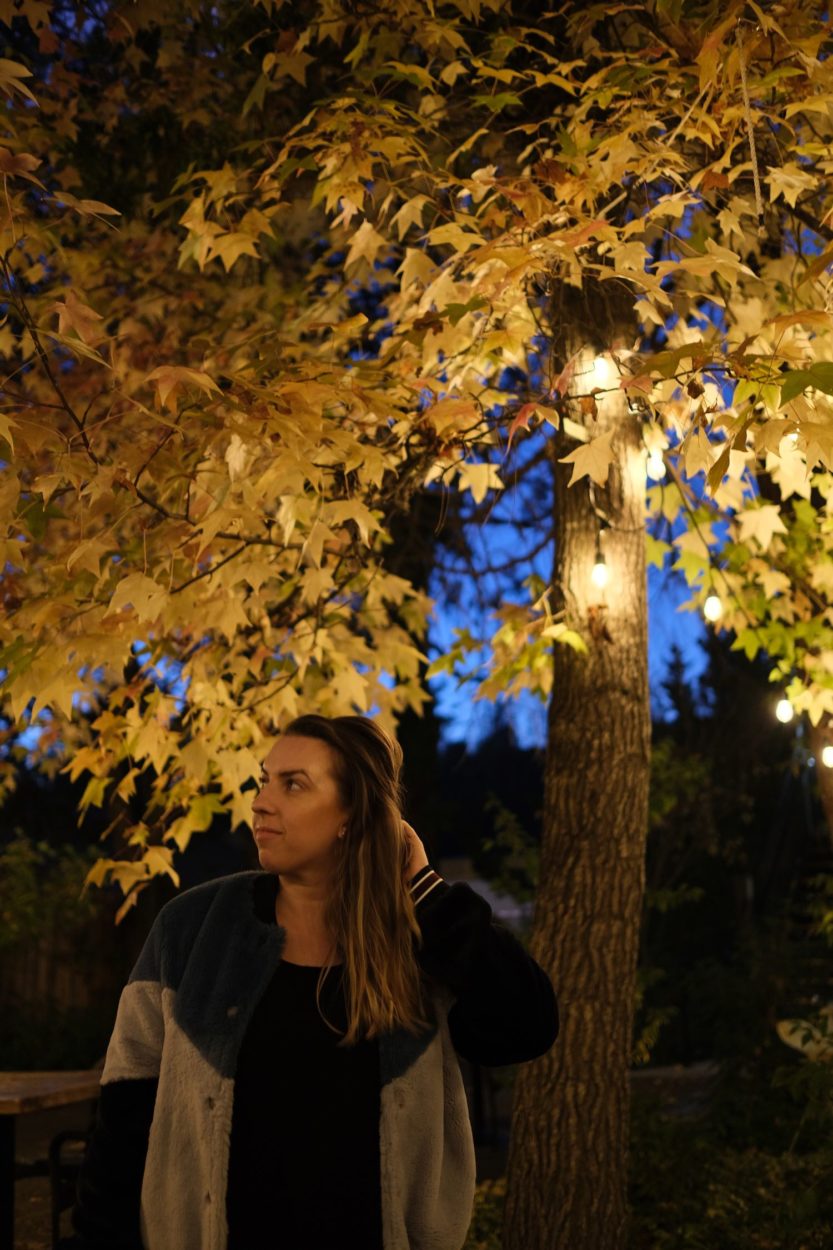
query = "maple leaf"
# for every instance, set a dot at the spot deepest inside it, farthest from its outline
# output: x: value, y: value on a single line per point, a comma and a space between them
x: 410, y: 214
x: 524, y: 416
x: 19, y: 165
x: 479, y: 478
x: 350, y: 688
x: 366, y: 245
x: 592, y: 460
x: 169, y: 379
x: 73, y: 315
x: 10, y: 75
x: 143, y: 594
x: 760, y: 524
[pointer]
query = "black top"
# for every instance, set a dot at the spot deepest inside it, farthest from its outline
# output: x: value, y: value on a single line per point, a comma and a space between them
x: 304, y: 1164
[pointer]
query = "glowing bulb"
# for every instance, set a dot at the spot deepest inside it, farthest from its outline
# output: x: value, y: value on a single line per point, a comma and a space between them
x: 656, y: 466
x: 713, y: 608
x: 792, y: 438
x: 784, y: 711
x: 604, y: 372
x: 827, y: 756
x: 600, y: 574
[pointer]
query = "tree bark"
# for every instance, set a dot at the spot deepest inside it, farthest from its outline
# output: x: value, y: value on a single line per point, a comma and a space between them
x: 567, y: 1166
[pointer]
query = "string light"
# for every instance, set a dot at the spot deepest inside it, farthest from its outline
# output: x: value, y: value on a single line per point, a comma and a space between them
x: 713, y: 608
x: 785, y: 711
x: 827, y: 756
x: 604, y: 372
x: 656, y: 466
x: 600, y: 575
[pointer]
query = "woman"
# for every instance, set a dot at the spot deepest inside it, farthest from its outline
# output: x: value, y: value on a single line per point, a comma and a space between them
x: 282, y: 1070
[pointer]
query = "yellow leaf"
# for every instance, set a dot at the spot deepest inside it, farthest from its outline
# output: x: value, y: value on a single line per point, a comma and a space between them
x: 479, y: 478
x: 159, y: 859
x: 6, y: 430
x: 169, y: 378
x: 92, y: 208
x: 410, y: 214
x: 461, y: 240
x: 88, y: 555
x: 655, y: 550
x: 141, y: 593
x: 315, y: 583
x: 351, y: 510
x: 416, y: 267
x: 699, y: 453
x: 57, y: 693
x: 314, y: 544
x: 760, y: 524
x: 789, y: 180
x: 256, y: 572
x: 593, y: 460
x: 229, y: 247
x: 19, y: 165
x: 451, y: 72
x: 196, y: 759
x: 10, y: 76
x: 366, y: 245
x: 73, y: 315
x: 714, y: 52
x: 293, y: 64
x: 350, y: 687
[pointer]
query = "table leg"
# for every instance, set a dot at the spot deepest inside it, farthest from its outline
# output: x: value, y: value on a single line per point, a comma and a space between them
x: 7, y: 1123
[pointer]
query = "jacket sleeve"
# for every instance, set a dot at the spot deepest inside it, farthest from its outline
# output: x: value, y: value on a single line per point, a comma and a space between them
x: 506, y: 1010
x: 105, y: 1215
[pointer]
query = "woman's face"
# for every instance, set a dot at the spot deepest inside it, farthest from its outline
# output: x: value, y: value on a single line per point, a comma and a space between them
x: 297, y: 810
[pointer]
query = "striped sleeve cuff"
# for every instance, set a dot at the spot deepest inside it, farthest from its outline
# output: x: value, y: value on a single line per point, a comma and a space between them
x: 423, y: 883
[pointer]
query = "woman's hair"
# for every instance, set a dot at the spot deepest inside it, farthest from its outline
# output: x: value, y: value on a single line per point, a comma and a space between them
x: 370, y: 911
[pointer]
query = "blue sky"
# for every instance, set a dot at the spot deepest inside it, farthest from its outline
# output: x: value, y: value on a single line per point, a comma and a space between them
x: 467, y: 721
x: 518, y: 520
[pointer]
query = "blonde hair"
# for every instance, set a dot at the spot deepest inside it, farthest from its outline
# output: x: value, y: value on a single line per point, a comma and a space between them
x: 370, y: 911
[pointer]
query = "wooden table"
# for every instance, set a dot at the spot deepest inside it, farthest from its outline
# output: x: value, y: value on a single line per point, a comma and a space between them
x: 21, y: 1092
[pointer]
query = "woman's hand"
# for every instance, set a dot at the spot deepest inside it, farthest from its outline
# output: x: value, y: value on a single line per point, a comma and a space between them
x: 418, y: 858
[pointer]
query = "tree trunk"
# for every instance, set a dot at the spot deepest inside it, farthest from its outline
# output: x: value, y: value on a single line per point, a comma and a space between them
x: 567, y: 1167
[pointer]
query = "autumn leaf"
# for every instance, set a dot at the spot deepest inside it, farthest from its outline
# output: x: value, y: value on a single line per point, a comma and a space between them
x: 73, y: 315
x: 479, y: 478
x: 10, y: 76
x: 592, y: 460
x: 761, y: 523
x: 819, y: 376
x: 19, y: 165
x: 89, y: 208
x: 145, y: 596
x: 170, y: 378
x: 524, y: 416
x: 366, y: 245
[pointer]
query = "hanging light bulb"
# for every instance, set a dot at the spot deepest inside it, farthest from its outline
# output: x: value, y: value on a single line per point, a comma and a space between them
x: 601, y: 573
x: 713, y: 608
x: 604, y: 371
x: 827, y: 756
x: 784, y: 711
x: 656, y: 466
